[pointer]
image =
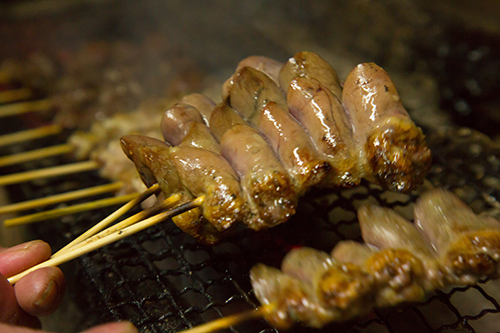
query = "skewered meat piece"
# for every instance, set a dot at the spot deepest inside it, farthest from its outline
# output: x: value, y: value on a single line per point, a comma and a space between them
x: 386, y: 229
x: 264, y: 109
x: 310, y: 65
x: 267, y: 66
x: 312, y: 289
x: 393, y: 150
x: 206, y: 173
x: 184, y: 124
x: 456, y: 247
x: 191, y: 172
x: 176, y: 122
x: 468, y: 245
x: 266, y: 183
x: 324, y: 118
x: 250, y: 90
x: 399, y: 275
x: 222, y: 118
x: 203, y: 104
x: 293, y: 146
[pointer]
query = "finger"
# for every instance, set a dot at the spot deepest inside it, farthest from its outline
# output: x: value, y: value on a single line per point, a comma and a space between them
x: 4, y: 328
x: 10, y: 312
x: 121, y: 327
x: 18, y: 258
x: 41, y: 292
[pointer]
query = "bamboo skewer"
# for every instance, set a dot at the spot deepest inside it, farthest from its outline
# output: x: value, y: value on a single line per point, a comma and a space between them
x: 58, y: 212
x: 111, y: 218
x: 117, y: 235
x: 232, y: 320
x: 36, y: 154
x: 14, y: 95
x: 63, y: 197
x: 24, y: 107
x: 167, y: 203
x: 31, y: 134
x: 48, y: 172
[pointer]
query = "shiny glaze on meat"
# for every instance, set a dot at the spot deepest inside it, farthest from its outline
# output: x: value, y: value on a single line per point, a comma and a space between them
x: 322, y: 115
x: 394, y: 150
x: 269, y: 189
x: 310, y: 65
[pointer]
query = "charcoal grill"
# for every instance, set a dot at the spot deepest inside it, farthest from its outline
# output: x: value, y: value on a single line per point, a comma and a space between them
x: 163, y: 281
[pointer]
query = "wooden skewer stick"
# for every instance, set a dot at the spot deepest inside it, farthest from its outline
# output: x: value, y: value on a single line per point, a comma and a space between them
x: 48, y: 172
x: 117, y: 235
x: 14, y: 95
x: 232, y: 320
x: 161, y: 206
x: 24, y: 107
x: 58, y: 212
x: 36, y: 154
x: 111, y: 218
x: 30, y: 134
x: 63, y: 197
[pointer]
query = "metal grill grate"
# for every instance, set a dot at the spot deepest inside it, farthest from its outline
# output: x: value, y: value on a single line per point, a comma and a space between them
x: 163, y: 281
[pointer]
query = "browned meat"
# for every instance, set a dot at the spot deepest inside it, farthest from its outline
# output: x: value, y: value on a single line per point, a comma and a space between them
x: 203, y: 104
x: 288, y: 138
x: 262, y: 177
x: 266, y: 65
x: 468, y: 245
x: 206, y: 173
x: 310, y: 65
x: 178, y: 170
x: 321, y: 113
x: 199, y: 136
x: 222, y: 118
x: 392, y: 149
x: 386, y: 229
x: 284, y: 293
x: 152, y: 160
x: 250, y: 90
x: 293, y: 146
x: 176, y: 122
x: 314, y: 288
x: 184, y: 124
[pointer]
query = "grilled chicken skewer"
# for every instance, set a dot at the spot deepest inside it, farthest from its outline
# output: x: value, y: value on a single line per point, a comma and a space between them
x: 400, y: 262
x: 271, y: 146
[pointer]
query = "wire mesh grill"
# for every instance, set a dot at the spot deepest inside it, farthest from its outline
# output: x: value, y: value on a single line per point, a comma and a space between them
x: 163, y: 281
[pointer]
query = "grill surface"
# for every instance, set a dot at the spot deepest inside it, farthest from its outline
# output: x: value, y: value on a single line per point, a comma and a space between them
x: 163, y: 281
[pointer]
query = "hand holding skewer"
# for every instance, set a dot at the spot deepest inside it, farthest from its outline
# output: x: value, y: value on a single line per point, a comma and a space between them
x: 37, y: 294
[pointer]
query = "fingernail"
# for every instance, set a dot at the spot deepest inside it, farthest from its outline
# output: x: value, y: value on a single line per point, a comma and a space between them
x: 48, y: 296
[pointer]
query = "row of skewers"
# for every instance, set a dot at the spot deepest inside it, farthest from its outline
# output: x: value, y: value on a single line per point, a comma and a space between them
x: 280, y: 130
x: 399, y: 261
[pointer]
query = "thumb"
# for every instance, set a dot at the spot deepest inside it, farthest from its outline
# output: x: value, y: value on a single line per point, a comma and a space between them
x: 121, y: 327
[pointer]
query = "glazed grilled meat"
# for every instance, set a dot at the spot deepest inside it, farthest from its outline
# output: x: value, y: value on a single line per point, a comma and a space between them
x: 393, y: 150
x: 310, y: 65
x: 269, y: 189
x: 467, y: 244
x: 324, y: 118
x: 257, y: 152
x: 400, y: 262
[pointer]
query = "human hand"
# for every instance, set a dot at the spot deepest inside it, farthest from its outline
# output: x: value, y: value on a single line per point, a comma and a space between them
x: 37, y: 294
